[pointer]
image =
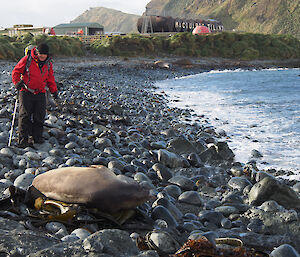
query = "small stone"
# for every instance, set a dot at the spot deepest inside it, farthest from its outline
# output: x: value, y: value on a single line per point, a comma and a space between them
x: 81, y: 233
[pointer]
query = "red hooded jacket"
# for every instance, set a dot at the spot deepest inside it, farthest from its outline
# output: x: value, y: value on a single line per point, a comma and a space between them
x: 37, y: 79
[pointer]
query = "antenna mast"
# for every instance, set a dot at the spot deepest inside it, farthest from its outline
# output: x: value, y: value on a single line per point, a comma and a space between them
x: 147, y: 24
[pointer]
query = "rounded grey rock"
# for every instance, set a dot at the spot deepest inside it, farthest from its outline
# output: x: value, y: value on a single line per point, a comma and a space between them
x: 71, y: 145
x: 161, y: 212
x: 285, y: 250
x: 183, y: 182
x: 239, y: 183
x: 173, y: 190
x: 164, y: 242
x: 33, y: 156
x: 24, y: 181
x: 271, y: 206
x: 226, y: 223
x: 70, y: 238
x: 191, y: 197
x: 162, y: 171
x: 81, y: 233
x: 226, y: 210
x: 55, y: 227
x: 6, y: 152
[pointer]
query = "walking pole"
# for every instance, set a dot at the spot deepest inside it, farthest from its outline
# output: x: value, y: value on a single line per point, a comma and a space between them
x: 13, y: 122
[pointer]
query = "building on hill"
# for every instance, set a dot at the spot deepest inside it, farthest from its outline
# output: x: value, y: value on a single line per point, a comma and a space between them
x: 84, y: 29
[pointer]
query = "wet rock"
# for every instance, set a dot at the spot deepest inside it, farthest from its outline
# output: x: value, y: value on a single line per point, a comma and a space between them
x: 164, y: 242
x: 81, y: 233
x: 169, y: 159
x: 158, y: 145
x: 6, y: 152
x: 211, y: 216
x: 183, y: 182
x: 160, y: 212
x: 210, y: 155
x: 162, y: 171
x: 224, y: 151
x: 24, y: 181
x: 54, y: 227
x: 237, y: 171
x: 260, y: 175
x: 256, y: 225
x: 181, y: 145
x: 284, y: 251
x: 271, y: 206
x: 173, y: 190
x: 111, y: 241
x: 272, y: 189
x: 256, y: 154
x: 191, y: 197
x: 239, y: 183
x: 177, y: 214
x: 227, y: 210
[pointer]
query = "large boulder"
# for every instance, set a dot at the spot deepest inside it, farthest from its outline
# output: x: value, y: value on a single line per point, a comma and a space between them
x: 271, y: 189
x: 181, y: 145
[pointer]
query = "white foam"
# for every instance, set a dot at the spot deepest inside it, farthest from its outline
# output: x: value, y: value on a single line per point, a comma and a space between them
x: 246, y: 121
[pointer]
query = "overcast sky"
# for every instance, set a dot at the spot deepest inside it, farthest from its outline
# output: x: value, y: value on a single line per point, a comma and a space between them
x: 52, y: 12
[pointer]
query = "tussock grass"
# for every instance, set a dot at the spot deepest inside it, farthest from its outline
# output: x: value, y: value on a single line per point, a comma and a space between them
x: 243, y: 46
x: 12, y: 48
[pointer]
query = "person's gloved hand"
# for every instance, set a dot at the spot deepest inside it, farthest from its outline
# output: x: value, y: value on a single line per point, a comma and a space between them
x: 55, y: 95
x: 20, y: 85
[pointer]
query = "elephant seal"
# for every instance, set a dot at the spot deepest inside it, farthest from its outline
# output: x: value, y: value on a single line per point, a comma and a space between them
x: 96, y: 187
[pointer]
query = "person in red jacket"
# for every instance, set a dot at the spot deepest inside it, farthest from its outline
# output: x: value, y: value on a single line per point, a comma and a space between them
x: 31, y: 81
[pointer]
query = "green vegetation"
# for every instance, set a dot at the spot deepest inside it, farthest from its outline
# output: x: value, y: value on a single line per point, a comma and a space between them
x: 13, y: 47
x: 243, y: 46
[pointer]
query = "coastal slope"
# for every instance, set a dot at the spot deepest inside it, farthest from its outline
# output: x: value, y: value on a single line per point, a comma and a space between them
x: 265, y: 16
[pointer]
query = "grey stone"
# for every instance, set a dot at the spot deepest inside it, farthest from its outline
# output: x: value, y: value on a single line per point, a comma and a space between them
x: 181, y: 145
x: 177, y: 214
x: 24, y: 181
x: 226, y: 210
x: 169, y: 159
x: 173, y: 190
x: 183, y: 182
x: 164, y: 242
x: 239, y: 183
x: 162, y: 171
x: 191, y: 197
x: 114, y: 241
x: 284, y: 250
x: 224, y: 151
x: 81, y: 233
x: 161, y: 212
x: 272, y: 189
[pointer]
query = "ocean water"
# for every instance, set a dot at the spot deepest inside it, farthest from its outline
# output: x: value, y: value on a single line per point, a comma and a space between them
x: 258, y: 109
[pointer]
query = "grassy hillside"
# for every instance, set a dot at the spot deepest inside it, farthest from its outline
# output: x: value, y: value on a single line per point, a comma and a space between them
x: 112, y: 20
x: 264, y: 16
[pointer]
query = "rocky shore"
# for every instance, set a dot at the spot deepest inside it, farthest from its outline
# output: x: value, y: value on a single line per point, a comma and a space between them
x: 110, y: 113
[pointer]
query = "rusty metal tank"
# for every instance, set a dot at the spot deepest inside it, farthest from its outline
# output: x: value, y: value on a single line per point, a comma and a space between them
x: 170, y: 24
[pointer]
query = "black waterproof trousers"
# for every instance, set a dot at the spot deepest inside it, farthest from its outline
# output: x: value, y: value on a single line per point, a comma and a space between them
x: 32, y: 113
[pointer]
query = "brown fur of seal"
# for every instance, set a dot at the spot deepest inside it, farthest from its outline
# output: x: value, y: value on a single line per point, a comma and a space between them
x: 97, y: 187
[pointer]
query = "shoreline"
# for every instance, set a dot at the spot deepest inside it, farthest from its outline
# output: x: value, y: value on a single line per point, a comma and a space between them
x: 207, y: 193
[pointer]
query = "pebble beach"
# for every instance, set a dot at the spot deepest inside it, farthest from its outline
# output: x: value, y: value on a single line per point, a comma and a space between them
x: 111, y: 113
